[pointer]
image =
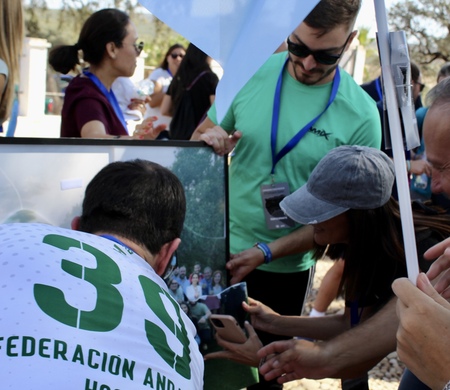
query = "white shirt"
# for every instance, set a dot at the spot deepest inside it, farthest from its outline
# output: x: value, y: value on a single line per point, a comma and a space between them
x: 80, y: 311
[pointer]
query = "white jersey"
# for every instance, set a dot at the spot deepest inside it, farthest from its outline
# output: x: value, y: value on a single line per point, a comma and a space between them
x: 83, y: 312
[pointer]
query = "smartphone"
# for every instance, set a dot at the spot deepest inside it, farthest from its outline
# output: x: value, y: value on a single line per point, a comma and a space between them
x: 228, y: 328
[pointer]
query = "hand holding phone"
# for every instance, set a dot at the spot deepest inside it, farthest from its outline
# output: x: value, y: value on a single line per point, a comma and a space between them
x: 228, y: 328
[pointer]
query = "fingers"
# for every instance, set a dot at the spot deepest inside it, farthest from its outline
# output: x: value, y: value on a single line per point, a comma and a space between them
x: 424, y: 285
x: 438, y: 250
x: 410, y: 295
x: 274, y: 348
x: 220, y: 140
x: 145, y: 130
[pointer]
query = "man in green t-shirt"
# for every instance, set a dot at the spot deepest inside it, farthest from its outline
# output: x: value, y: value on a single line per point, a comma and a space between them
x: 297, y: 107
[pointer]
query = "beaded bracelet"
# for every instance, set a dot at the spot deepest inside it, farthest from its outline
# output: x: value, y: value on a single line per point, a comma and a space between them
x: 264, y: 248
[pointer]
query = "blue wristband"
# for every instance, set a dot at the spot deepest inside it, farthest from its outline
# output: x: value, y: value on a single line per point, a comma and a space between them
x: 264, y: 248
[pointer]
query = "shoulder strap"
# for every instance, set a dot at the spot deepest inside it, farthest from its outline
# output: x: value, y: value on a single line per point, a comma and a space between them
x: 196, y: 79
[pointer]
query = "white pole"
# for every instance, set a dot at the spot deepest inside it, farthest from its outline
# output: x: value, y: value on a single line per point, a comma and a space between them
x: 404, y: 197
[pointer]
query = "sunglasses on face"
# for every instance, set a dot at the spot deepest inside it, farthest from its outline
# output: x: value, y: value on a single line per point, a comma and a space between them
x: 176, y: 55
x: 422, y: 86
x: 138, y: 47
x: 320, y: 56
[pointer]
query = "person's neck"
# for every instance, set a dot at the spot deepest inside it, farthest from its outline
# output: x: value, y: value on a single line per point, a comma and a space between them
x: 173, y: 69
x: 105, y: 78
x: 139, y: 250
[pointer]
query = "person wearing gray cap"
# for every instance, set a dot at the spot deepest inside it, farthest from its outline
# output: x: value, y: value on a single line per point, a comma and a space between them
x: 347, y: 205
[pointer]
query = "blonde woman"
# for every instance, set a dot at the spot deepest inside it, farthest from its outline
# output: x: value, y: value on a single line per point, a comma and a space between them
x: 11, y: 37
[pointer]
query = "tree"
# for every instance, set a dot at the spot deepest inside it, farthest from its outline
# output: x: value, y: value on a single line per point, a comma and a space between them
x: 62, y: 26
x: 204, y: 234
x: 426, y: 24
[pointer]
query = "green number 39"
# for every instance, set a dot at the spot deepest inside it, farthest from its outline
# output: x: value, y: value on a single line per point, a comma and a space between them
x: 106, y: 316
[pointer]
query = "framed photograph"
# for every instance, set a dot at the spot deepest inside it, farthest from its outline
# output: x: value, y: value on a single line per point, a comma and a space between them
x: 43, y: 180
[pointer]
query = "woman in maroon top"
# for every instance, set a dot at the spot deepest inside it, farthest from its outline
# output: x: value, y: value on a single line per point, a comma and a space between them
x: 108, y: 43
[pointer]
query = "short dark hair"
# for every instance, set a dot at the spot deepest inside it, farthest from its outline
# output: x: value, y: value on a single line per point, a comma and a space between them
x: 329, y: 14
x: 102, y: 27
x: 138, y: 200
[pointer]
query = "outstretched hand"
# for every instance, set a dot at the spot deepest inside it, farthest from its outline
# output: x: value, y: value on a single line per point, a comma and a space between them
x: 245, y: 353
x: 294, y: 359
x: 241, y: 264
x: 145, y: 130
x: 261, y: 316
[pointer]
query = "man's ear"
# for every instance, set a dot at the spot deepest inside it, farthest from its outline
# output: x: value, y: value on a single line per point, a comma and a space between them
x: 165, y: 255
x: 350, y: 40
x: 75, y: 225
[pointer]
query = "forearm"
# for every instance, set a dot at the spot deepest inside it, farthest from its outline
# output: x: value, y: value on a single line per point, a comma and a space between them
x: 201, y: 129
x: 156, y: 99
x: 322, y: 328
x: 298, y: 241
x: 355, y: 352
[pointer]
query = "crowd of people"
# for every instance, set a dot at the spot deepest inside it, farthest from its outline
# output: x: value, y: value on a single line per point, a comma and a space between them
x: 308, y: 177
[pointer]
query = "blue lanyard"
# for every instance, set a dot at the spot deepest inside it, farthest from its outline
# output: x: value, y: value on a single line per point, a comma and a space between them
x: 112, y: 238
x: 378, y: 87
x: 170, y: 73
x: 109, y: 95
x: 276, y: 157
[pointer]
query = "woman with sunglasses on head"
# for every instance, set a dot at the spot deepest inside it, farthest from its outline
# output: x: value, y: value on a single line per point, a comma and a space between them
x: 162, y: 77
x: 108, y: 42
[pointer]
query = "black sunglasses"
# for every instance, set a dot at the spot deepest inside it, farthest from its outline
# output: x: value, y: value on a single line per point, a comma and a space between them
x: 175, y: 55
x: 321, y: 56
x: 138, y: 47
x: 422, y: 86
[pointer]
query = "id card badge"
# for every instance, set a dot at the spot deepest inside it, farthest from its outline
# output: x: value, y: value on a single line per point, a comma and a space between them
x: 272, y: 195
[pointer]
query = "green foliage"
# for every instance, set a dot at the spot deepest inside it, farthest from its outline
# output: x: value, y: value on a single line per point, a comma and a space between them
x: 62, y: 26
x: 203, y: 237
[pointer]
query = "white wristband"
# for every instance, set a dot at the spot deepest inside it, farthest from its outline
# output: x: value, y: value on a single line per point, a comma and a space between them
x: 447, y: 386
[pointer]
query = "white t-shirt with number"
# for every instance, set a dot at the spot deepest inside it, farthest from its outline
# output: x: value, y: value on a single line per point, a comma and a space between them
x: 80, y: 312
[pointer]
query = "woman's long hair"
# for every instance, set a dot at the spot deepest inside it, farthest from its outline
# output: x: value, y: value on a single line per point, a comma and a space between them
x: 374, y: 255
x: 11, y: 37
x: 194, y: 62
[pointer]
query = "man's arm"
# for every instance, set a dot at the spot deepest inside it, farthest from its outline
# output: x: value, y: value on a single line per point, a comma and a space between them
x: 298, y: 241
x: 348, y: 355
x: 216, y: 137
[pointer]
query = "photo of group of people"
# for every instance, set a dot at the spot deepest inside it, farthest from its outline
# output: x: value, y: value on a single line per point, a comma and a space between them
x: 198, y: 294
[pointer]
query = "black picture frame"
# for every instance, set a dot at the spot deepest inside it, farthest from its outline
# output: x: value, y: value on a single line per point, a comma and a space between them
x: 44, y: 179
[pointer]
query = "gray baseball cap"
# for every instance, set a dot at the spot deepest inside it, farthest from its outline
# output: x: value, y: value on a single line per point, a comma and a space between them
x: 348, y: 177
